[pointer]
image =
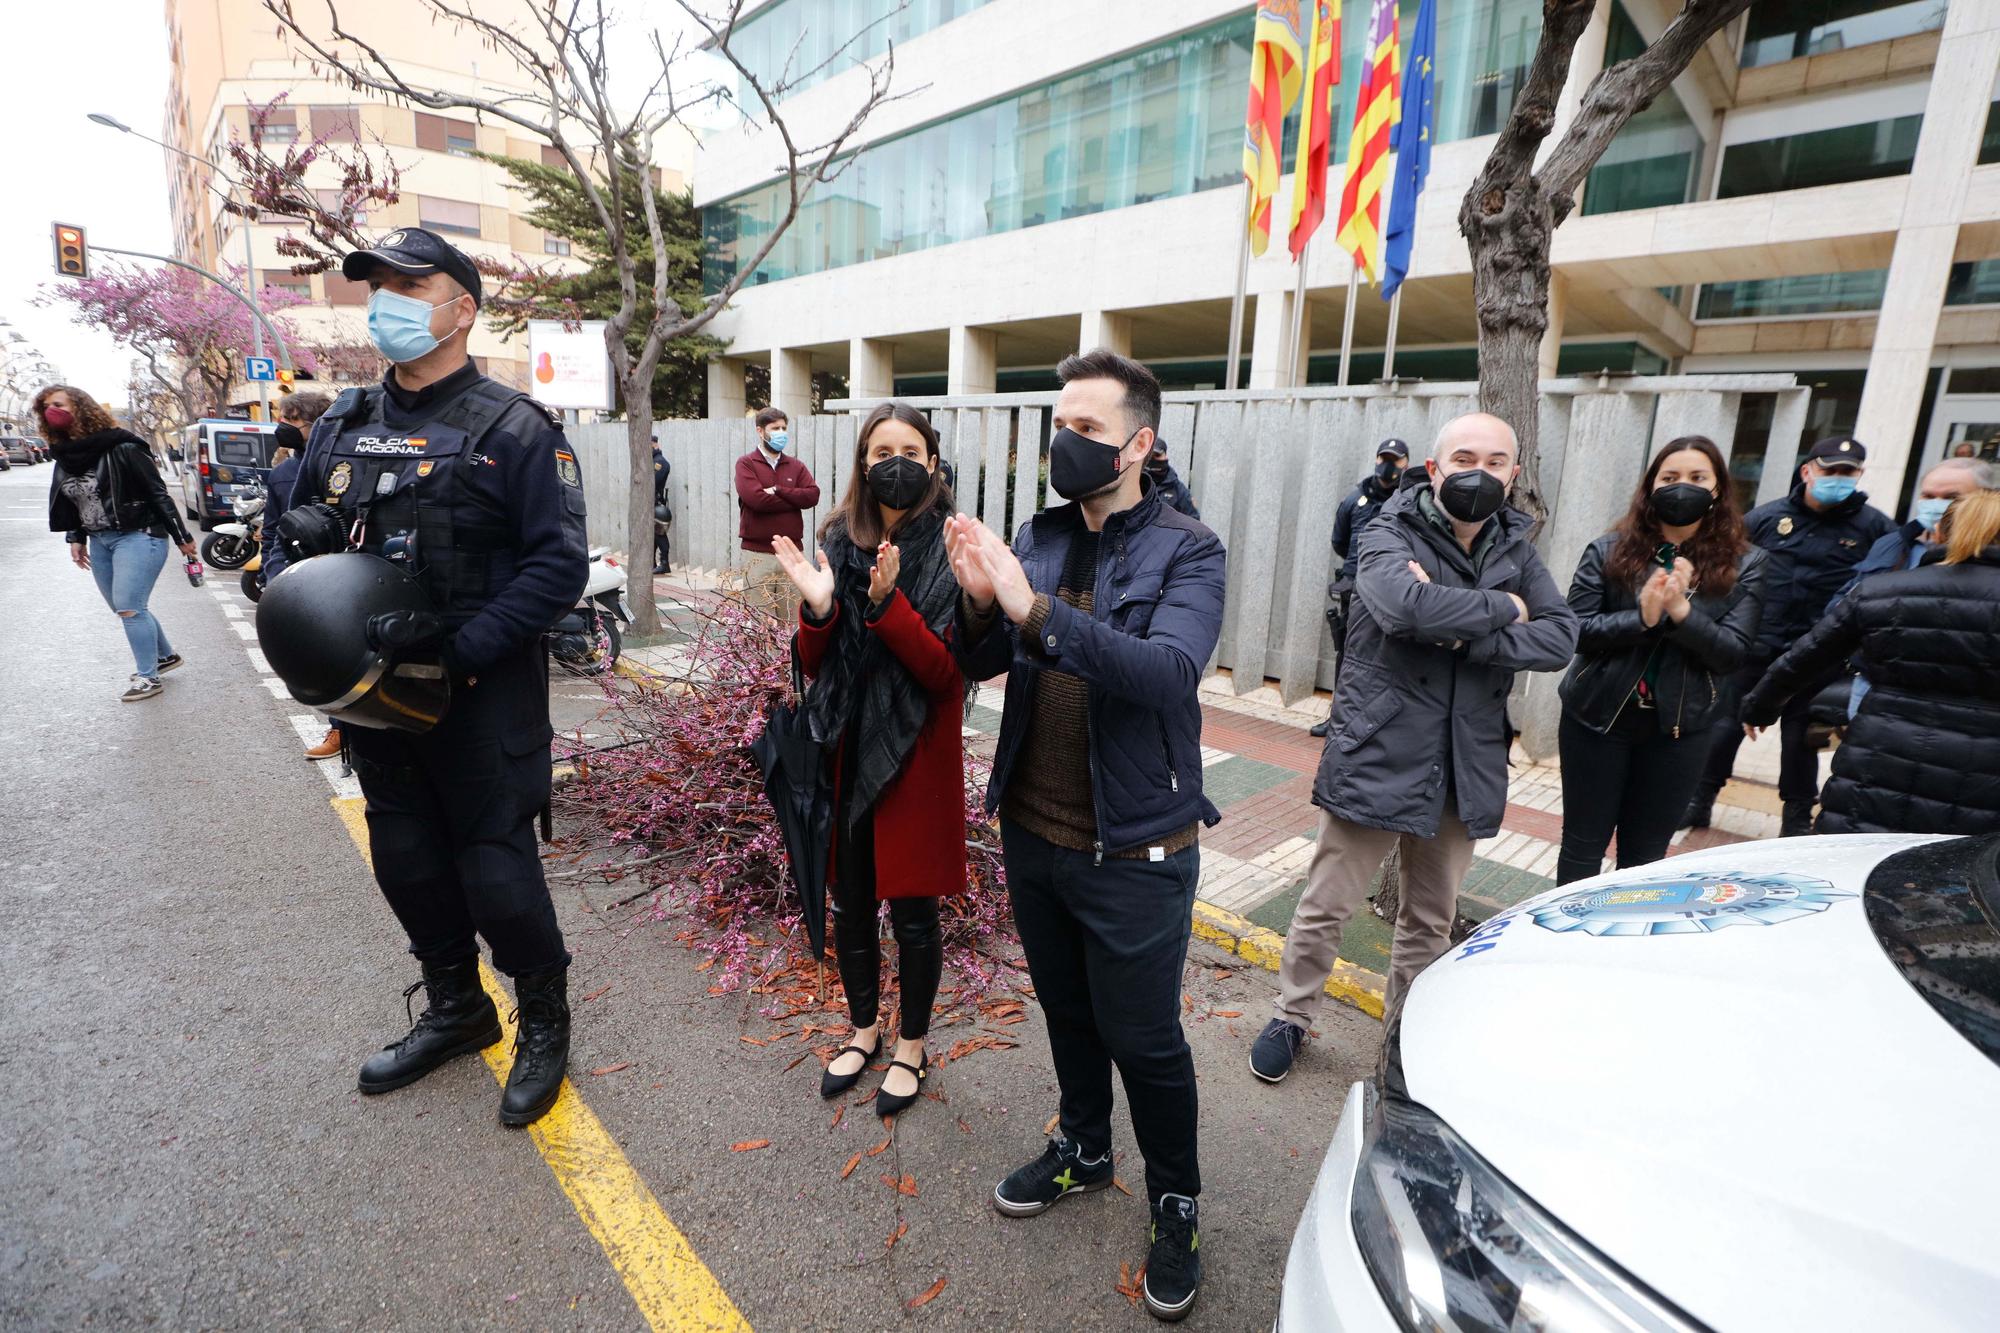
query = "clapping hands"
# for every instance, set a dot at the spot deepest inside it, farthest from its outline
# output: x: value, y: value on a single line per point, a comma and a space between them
x: 815, y: 584
x: 987, y: 569
x: 882, y: 575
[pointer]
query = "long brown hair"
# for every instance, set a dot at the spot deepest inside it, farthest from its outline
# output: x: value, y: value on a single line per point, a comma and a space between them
x: 90, y: 416
x: 1971, y: 525
x: 858, y: 509
x: 1716, y: 545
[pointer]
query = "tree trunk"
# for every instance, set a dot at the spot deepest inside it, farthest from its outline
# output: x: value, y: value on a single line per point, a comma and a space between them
x: 639, y: 508
x: 1510, y: 267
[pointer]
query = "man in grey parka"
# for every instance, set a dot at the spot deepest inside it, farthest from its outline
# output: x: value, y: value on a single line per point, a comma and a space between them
x: 1451, y: 600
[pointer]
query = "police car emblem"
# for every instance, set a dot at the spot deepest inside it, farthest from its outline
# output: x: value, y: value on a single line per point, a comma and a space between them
x: 1688, y: 904
x: 338, y: 480
x: 1785, y: 526
x: 566, y: 469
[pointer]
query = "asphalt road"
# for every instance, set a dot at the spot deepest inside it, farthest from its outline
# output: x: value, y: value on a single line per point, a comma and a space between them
x: 198, y: 960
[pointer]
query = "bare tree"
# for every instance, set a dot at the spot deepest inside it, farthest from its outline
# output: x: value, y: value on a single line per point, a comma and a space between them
x: 1510, y: 214
x: 561, y: 46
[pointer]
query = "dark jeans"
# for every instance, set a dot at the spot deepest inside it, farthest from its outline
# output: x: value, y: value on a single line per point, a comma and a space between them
x: 451, y: 823
x: 1798, y: 760
x: 1636, y: 780
x: 1106, y: 945
x: 857, y: 939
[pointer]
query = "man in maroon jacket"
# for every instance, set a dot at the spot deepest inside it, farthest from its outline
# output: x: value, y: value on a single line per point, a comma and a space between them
x: 773, y: 490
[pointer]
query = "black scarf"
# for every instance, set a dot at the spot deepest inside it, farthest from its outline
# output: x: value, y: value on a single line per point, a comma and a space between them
x: 864, y: 698
x: 80, y: 457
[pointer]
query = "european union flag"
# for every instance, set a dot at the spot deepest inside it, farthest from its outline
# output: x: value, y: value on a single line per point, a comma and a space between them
x: 1413, y: 136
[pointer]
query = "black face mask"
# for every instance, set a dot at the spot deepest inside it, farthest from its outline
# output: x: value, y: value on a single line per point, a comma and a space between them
x: 1388, y: 473
x: 1080, y: 467
x: 899, y: 482
x: 1681, y: 503
x: 1472, y: 496
x: 288, y: 436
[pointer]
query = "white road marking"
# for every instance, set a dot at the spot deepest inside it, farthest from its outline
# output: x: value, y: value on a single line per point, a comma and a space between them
x: 311, y: 731
x: 232, y: 610
x: 244, y: 631
x: 257, y: 660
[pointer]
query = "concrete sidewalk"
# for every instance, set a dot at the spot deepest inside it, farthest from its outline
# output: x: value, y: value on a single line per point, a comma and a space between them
x: 1258, y: 762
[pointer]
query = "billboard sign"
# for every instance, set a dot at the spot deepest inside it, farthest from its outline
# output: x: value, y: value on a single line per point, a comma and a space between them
x: 569, y: 367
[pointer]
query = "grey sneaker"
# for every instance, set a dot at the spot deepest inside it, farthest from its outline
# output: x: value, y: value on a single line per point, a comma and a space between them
x: 171, y: 662
x: 142, y: 687
x: 1274, y: 1050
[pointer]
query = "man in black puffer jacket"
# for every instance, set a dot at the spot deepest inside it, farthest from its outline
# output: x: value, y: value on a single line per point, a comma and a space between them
x: 1922, y: 754
x: 1815, y: 537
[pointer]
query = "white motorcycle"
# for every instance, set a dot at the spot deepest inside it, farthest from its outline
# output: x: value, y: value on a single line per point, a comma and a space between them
x: 587, y: 641
x: 231, y: 545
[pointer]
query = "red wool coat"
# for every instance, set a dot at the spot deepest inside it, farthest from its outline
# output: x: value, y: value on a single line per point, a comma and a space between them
x: 920, y: 817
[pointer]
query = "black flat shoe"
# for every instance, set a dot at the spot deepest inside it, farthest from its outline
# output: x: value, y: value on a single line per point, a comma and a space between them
x: 886, y: 1104
x: 831, y: 1085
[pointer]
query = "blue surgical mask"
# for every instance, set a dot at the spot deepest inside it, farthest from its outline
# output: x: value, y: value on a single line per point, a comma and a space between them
x: 400, y: 326
x: 1930, y: 513
x: 1832, y: 490
x: 777, y: 440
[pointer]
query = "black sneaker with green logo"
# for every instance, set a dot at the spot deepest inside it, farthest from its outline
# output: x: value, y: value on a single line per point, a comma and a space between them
x: 1173, y: 1265
x: 1060, y: 1171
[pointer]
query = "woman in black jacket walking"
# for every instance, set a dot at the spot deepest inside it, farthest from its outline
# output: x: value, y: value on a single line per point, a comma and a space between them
x: 1669, y: 601
x: 1922, y: 754
x: 107, y: 496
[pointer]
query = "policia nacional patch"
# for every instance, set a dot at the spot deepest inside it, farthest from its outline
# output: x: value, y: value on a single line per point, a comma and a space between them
x: 566, y: 468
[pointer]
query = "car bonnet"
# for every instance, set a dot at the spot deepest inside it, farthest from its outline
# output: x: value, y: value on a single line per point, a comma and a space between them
x: 1709, y: 1069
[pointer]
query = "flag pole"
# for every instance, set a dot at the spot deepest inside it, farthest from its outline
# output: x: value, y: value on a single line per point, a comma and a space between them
x: 1296, y: 368
x: 1347, y: 331
x: 1230, y: 371
x: 1389, y: 357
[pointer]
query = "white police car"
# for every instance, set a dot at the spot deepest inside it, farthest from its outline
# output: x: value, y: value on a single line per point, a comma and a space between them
x: 1749, y: 1088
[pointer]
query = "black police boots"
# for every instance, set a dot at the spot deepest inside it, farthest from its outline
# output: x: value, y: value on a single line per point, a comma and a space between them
x: 1797, y: 820
x: 541, y: 1047
x: 458, y: 1018
x: 1701, y: 809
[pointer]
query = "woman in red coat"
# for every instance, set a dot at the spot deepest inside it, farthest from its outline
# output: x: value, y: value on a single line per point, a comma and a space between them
x: 886, y: 694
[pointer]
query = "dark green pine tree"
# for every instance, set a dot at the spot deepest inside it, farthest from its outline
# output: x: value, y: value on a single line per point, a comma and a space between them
x: 557, y: 205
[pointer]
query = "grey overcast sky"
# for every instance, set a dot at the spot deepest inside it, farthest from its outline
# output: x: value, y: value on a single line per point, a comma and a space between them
x: 71, y: 57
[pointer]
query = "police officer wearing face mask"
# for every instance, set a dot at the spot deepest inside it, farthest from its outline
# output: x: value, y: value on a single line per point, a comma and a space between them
x: 1815, y: 537
x: 471, y: 488
x: 1356, y: 512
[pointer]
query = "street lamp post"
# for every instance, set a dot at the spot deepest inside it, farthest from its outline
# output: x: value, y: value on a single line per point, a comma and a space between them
x: 243, y: 224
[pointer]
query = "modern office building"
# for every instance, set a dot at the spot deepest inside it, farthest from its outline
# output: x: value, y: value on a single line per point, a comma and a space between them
x: 1818, y: 193
x: 228, y: 55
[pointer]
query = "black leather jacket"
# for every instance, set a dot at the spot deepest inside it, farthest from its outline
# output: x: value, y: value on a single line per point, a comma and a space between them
x: 133, y: 494
x: 1614, y: 645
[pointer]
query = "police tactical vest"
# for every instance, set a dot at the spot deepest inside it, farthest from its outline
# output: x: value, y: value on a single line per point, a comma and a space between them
x: 410, y: 488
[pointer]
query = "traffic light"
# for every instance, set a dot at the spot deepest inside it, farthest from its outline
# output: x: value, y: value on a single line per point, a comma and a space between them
x: 72, y: 254
x: 284, y: 380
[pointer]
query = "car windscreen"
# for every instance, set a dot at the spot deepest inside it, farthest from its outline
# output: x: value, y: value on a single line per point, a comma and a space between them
x: 239, y: 448
x: 1935, y: 910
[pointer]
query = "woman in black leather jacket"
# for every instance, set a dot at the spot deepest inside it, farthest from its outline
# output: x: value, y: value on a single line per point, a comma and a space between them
x: 1669, y: 601
x: 107, y: 497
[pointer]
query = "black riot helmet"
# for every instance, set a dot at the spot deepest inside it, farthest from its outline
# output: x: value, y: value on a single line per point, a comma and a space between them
x: 312, y: 624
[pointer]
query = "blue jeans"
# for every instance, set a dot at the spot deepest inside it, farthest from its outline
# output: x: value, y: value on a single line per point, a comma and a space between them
x: 126, y: 566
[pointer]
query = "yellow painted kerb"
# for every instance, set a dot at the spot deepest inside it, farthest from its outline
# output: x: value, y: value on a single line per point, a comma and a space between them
x: 1265, y: 948
x: 668, y: 1281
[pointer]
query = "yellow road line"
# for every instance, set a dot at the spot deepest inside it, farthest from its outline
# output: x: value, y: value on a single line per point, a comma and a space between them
x: 668, y: 1282
x: 1253, y: 944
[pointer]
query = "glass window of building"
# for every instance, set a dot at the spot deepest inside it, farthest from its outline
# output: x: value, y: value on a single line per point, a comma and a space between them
x: 1820, y: 157
x: 1803, y: 294
x: 555, y: 245
x: 1973, y: 283
x: 449, y: 217
x: 1787, y: 29
x: 1652, y: 161
x: 442, y: 134
x: 1833, y: 409
x: 805, y: 42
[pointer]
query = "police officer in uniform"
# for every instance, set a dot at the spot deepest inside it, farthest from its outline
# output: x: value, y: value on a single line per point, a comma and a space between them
x: 1357, y: 511
x: 471, y: 487
x: 1816, y: 536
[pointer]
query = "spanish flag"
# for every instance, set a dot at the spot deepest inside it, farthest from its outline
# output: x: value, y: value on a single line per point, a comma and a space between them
x: 1316, y: 124
x: 1276, y: 76
x: 1375, y: 113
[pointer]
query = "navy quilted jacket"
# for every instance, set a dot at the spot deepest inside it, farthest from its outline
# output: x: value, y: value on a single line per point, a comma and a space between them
x: 1142, y: 649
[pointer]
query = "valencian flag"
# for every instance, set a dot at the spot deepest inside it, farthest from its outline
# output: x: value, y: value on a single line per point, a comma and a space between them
x: 1276, y: 74
x: 1413, y: 149
x: 1368, y: 146
x: 1316, y: 124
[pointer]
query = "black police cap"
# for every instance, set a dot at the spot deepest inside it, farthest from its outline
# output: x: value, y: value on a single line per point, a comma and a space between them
x: 1838, y: 451
x: 1396, y: 447
x: 416, y: 251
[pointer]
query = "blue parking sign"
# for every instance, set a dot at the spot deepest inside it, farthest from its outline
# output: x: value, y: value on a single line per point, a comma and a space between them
x: 257, y: 368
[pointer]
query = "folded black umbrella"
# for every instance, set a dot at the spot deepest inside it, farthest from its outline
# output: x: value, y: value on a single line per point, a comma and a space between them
x: 795, y: 780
